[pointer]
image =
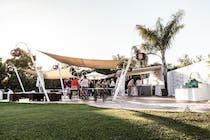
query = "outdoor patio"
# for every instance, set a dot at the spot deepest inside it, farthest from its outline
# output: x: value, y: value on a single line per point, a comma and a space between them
x: 148, y: 103
x: 139, y: 103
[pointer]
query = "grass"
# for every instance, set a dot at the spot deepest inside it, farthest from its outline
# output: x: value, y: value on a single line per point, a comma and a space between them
x: 62, y: 121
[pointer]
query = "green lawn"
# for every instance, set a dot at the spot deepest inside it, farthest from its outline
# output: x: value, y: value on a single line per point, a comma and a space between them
x: 62, y: 121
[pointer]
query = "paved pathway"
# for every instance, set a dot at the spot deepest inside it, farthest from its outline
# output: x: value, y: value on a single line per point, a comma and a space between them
x: 153, y: 103
x: 147, y: 103
x: 143, y: 103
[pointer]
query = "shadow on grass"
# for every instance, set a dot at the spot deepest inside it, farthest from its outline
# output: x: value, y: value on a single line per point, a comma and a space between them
x: 191, y: 131
x: 56, y: 121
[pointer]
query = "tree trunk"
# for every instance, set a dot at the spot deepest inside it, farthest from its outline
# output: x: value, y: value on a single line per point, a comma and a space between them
x: 164, y: 72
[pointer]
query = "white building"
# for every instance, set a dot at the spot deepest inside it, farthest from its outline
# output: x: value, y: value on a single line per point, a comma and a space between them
x: 177, y: 78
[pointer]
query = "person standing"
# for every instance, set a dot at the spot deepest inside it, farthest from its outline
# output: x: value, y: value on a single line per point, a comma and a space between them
x: 112, y: 85
x: 84, y: 85
x: 68, y: 88
x: 139, y: 86
x: 130, y: 86
x: 74, y: 85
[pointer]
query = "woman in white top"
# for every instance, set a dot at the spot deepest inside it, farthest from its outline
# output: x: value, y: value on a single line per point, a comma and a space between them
x: 130, y: 86
x: 84, y: 85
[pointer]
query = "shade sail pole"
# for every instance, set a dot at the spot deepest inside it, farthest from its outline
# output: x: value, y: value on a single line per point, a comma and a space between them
x: 60, y: 76
x: 122, y: 77
x: 38, y: 76
x: 18, y: 77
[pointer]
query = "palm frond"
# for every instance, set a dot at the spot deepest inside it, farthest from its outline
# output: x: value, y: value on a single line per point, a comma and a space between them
x: 147, y: 34
x: 171, y: 30
x: 159, y: 27
x: 146, y: 47
x: 178, y: 15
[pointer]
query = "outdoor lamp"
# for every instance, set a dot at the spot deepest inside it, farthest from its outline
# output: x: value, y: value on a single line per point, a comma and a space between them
x: 140, y: 56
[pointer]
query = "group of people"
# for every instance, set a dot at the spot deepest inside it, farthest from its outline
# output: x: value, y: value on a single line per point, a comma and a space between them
x: 83, y: 85
x: 73, y: 85
x: 134, y: 87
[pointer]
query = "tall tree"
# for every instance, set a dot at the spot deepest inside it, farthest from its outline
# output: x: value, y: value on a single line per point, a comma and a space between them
x: 160, y: 38
x: 120, y: 57
x: 198, y: 58
x: 21, y: 60
x: 3, y: 73
x: 185, y: 60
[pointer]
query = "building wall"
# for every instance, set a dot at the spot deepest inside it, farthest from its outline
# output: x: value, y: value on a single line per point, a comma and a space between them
x: 177, y: 78
x: 156, y: 79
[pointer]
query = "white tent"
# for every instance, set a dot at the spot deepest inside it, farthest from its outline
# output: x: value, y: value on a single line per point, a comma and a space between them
x: 95, y: 76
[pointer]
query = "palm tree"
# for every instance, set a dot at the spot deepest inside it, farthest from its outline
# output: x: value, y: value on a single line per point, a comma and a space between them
x: 119, y: 57
x: 185, y: 61
x: 160, y: 38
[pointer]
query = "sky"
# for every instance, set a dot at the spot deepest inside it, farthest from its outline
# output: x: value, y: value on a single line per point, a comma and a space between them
x: 98, y: 29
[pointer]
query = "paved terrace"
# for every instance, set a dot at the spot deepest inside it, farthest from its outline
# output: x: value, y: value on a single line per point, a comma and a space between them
x: 141, y: 103
x: 153, y: 103
x: 145, y: 103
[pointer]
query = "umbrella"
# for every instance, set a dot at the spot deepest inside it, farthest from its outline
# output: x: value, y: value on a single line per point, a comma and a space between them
x: 95, y: 76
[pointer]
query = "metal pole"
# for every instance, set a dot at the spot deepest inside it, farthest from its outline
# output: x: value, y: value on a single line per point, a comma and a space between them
x: 17, y: 74
x: 60, y: 75
x: 38, y: 75
x: 122, y: 77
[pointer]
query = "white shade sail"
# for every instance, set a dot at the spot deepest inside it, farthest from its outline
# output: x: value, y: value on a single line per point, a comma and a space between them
x: 89, y: 63
x: 95, y: 76
x: 53, y: 74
